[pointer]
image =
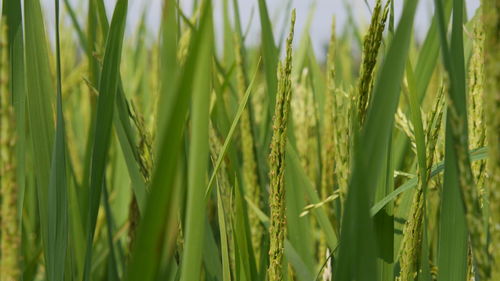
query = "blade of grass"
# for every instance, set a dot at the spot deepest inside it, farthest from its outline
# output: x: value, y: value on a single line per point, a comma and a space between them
x: 299, y: 231
x: 57, y: 192
x: 76, y: 25
x: 108, y: 87
x: 122, y: 124
x: 168, y: 62
x: 428, y: 55
x: 198, y: 152
x: 356, y: 258
x: 161, y: 210
x: 229, y: 136
x: 226, y: 274
x: 242, y: 238
x: 93, y: 76
x: 416, y: 120
x: 40, y: 103
x: 300, y: 58
x: 475, y: 155
x: 269, y: 54
x: 127, y: 141
x: 228, y: 35
x: 301, y: 268
x: 384, y: 220
x: 112, y: 266
x: 12, y: 11
x: 103, y: 18
x: 452, y: 258
x: 210, y: 256
x: 463, y: 205
x: 418, y: 126
x: 293, y: 163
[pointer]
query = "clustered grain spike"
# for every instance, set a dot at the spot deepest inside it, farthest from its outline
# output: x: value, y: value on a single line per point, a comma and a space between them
x: 9, y: 227
x: 477, y: 132
x: 371, y: 45
x: 328, y: 152
x: 413, y: 231
x: 305, y: 125
x: 491, y: 21
x: 277, y: 227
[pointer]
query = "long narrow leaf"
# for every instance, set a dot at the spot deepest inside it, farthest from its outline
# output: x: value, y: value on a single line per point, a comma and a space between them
x: 40, y: 103
x: 58, y: 195
x: 357, y: 243
x: 104, y: 116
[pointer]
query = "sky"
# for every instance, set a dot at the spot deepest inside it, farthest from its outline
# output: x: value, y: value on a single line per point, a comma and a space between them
x: 323, y: 11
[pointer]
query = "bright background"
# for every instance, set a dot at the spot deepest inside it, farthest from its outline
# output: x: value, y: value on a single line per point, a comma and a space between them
x: 323, y: 10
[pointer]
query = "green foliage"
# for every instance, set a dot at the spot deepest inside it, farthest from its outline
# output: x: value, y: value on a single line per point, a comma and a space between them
x: 135, y: 156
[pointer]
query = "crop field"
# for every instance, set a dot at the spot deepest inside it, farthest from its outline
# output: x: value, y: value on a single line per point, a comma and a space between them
x: 191, y: 154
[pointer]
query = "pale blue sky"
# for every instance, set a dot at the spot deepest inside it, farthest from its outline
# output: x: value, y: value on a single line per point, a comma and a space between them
x: 320, y: 25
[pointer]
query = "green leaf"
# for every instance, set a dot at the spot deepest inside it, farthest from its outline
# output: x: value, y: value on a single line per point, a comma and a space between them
x: 299, y: 230
x: 246, y: 266
x: 198, y: 151
x: 295, y: 167
x: 269, y: 54
x: 429, y: 54
x: 159, y: 217
x: 226, y: 274
x: 40, y: 97
x: 57, y: 193
x: 13, y: 13
x: 168, y: 63
x: 121, y: 120
x: 452, y: 252
x: 475, y: 155
x: 108, y: 87
x: 384, y: 220
x: 128, y: 142
x: 356, y: 260
x: 77, y: 26
x: 229, y: 136
x: 112, y: 266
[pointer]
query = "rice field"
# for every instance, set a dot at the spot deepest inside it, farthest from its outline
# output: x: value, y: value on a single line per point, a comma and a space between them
x: 181, y: 156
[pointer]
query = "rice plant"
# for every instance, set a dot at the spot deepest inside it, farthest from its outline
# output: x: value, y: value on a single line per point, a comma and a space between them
x: 193, y: 154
